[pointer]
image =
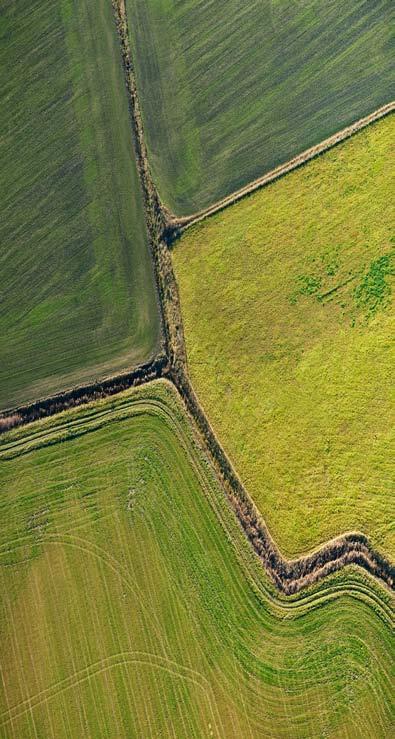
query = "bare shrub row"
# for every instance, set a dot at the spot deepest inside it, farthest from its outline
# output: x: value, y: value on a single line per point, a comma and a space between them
x: 158, y: 367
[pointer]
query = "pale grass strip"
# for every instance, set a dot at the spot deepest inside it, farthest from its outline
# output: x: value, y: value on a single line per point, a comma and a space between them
x: 183, y: 223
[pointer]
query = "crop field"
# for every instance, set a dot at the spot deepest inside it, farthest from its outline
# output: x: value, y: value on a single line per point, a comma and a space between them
x: 78, y: 299
x: 163, y: 379
x: 287, y: 309
x: 132, y: 605
x: 230, y: 90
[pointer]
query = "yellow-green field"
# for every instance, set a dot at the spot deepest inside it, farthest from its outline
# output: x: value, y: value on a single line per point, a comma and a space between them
x: 286, y: 303
x: 78, y: 299
x: 132, y: 605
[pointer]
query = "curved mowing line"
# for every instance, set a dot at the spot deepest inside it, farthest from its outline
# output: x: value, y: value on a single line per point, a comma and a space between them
x: 121, y: 659
x: 83, y: 394
x: 290, y: 576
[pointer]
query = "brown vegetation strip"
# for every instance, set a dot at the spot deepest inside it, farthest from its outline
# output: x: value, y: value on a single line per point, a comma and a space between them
x: 176, y: 225
x: 158, y: 367
x: 290, y: 576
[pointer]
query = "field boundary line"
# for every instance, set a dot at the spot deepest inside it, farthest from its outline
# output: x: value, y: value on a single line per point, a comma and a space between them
x: 80, y: 395
x: 176, y: 225
x: 178, y: 423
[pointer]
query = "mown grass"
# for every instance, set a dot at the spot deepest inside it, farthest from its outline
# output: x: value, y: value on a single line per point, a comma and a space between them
x: 132, y: 605
x: 77, y: 293
x: 230, y: 90
x: 286, y: 303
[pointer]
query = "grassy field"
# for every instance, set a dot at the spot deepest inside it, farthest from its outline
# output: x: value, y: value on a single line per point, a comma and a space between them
x: 286, y: 301
x: 77, y: 297
x: 230, y: 90
x: 132, y: 605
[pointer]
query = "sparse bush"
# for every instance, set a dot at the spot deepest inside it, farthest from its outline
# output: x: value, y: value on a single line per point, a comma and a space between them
x: 8, y: 422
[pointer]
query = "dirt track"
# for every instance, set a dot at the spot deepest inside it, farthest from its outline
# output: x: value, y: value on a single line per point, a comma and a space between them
x: 177, y: 225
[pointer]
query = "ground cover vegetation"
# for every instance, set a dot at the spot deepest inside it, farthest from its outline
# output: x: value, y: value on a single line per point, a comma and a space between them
x: 286, y: 303
x: 230, y: 90
x: 132, y: 605
x: 78, y: 299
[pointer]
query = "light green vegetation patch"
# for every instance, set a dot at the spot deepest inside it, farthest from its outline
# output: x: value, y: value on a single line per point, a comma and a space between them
x: 77, y: 294
x: 229, y: 90
x: 286, y: 302
x: 132, y: 605
x: 371, y: 286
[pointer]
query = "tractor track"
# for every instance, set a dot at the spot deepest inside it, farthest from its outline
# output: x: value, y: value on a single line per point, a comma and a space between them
x: 290, y: 576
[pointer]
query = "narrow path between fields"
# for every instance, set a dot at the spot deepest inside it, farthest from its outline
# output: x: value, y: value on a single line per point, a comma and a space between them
x: 176, y: 225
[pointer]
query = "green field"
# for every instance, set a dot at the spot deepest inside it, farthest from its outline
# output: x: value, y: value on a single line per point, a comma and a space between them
x: 230, y: 90
x: 132, y: 605
x: 286, y: 302
x: 77, y: 295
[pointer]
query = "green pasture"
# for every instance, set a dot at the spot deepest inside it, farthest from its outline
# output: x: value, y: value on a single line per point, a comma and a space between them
x: 230, y: 90
x: 286, y: 301
x: 133, y: 606
x: 77, y: 298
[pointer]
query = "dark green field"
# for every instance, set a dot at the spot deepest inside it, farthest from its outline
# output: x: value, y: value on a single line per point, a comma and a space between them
x: 77, y: 292
x: 230, y: 90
